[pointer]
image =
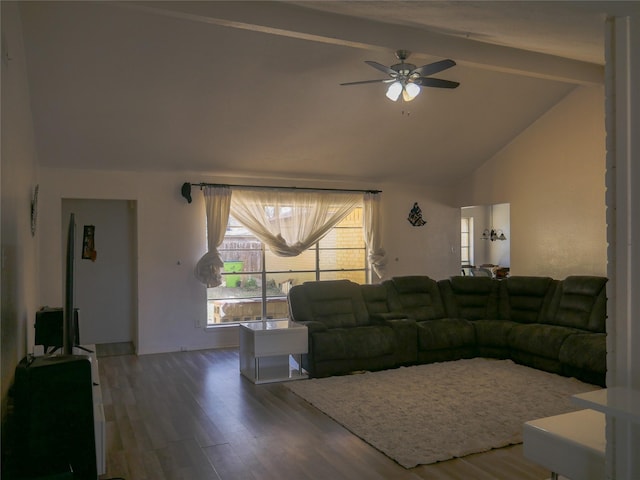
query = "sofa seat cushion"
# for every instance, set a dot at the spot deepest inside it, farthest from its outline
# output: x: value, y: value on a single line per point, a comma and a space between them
x: 445, y: 333
x: 585, y: 351
x: 493, y: 333
x: 350, y: 343
x: 539, y: 339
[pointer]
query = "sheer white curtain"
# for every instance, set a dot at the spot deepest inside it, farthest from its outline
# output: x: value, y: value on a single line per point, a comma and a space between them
x: 372, y: 235
x: 291, y: 221
x: 217, y: 203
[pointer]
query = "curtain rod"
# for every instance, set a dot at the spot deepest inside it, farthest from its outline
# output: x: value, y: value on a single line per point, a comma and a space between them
x: 186, y: 188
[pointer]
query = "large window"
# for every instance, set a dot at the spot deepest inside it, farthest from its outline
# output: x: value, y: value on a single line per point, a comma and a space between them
x: 256, y: 281
x: 466, y: 241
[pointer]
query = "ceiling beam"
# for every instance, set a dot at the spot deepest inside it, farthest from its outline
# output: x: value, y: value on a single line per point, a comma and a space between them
x: 280, y: 18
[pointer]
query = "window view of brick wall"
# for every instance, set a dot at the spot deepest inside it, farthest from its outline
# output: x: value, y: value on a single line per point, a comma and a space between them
x: 256, y: 282
x: 345, y: 250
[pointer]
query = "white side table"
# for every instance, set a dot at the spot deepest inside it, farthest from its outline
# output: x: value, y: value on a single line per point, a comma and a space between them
x: 571, y: 444
x: 265, y: 348
x: 619, y: 402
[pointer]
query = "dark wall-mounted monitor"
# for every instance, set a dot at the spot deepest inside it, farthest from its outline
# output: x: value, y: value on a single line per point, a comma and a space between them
x: 68, y: 330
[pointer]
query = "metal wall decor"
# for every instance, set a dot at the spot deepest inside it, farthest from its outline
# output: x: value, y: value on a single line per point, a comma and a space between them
x: 415, y: 216
x: 493, y: 235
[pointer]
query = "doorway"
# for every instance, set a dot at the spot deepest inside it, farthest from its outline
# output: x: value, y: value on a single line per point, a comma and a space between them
x: 105, y: 275
x: 488, y: 240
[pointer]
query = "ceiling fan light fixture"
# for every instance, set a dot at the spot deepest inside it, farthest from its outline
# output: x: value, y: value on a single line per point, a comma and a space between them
x: 406, y: 79
x: 411, y: 91
x: 394, y: 91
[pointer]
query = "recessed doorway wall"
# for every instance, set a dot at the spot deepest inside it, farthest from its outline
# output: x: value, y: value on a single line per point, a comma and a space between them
x: 105, y: 287
x: 486, y: 218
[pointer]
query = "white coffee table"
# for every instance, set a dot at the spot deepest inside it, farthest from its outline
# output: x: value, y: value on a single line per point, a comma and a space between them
x: 267, y: 347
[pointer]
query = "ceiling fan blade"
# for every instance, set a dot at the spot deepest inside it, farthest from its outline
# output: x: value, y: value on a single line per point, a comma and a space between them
x: 434, y: 67
x: 382, y: 80
x: 435, y: 82
x: 382, y: 68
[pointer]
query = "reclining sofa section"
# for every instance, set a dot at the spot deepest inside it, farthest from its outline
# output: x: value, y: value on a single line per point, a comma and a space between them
x: 552, y: 325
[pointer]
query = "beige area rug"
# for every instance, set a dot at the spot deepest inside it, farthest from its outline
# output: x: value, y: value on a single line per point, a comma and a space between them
x: 429, y: 413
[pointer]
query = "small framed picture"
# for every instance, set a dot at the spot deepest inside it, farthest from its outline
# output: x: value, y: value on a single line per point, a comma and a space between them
x: 88, y: 243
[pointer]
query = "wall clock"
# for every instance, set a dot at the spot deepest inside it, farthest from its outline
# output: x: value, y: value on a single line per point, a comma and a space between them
x: 34, y: 210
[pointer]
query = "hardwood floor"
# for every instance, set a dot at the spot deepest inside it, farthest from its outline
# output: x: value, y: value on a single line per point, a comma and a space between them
x: 191, y: 416
x: 110, y: 349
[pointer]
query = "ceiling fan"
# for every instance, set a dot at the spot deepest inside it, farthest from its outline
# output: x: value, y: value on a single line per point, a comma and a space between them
x: 406, y: 78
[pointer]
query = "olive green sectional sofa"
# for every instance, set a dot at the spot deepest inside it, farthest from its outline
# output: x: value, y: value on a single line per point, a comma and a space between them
x: 552, y: 325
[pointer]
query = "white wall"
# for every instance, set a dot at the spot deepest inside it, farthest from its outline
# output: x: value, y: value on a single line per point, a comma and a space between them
x: 552, y: 175
x: 170, y: 236
x: 432, y: 249
x: 171, y: 239
x: 19, y: 255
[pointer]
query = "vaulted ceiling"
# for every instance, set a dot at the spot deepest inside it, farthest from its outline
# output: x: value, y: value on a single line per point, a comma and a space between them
x: 252, y: 88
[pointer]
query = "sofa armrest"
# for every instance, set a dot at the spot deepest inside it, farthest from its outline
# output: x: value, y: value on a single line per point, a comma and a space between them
x: 314, y: 326
x: 402, y: 323
x: 405, y: 331
x: 383, y: 318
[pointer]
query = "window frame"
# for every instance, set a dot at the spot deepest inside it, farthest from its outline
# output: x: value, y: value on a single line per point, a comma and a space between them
x: 264, y: 272
x: 469, y: 242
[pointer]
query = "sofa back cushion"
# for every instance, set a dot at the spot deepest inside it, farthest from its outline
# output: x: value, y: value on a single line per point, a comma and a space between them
x: 417, y: 296
x: 471, y: 298
x: 336, y: 303
x: 581, y: 302
x: 375, y: 298
x: 525, y: 299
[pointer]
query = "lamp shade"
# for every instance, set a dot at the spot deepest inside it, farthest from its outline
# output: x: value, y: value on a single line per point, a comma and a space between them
x: 394, y: 91
x: 412, y: 91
